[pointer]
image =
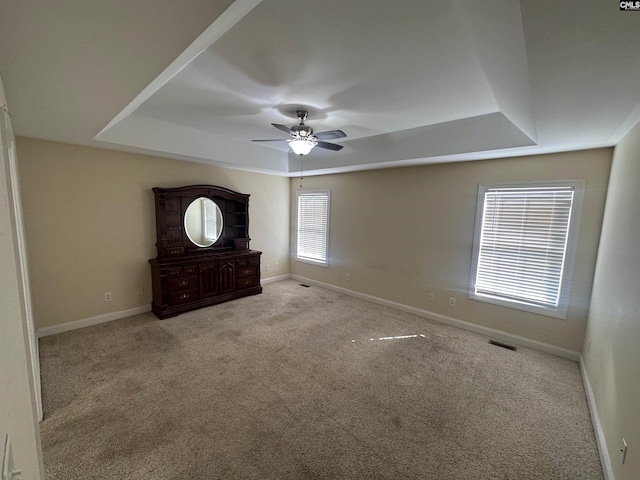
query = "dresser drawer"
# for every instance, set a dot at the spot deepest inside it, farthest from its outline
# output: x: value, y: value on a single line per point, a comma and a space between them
x: 246, y: 271
x: 183, y: 271
x: 246, y: 261
x: 242, y: 262
x: 183, y: 296
x: 172, y: 272
x: 182, y: 283
x: 190, y: 269
x: 174, y: 251
x: 247, y: 282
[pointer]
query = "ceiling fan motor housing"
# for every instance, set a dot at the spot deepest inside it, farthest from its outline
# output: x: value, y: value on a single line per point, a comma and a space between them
x: 302, y: 130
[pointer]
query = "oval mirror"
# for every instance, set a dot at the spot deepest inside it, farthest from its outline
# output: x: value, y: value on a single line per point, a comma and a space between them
x: 203, y: 222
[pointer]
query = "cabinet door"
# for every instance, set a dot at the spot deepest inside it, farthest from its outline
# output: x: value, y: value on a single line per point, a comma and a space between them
x: 227, y: 276
x: 209, y: 281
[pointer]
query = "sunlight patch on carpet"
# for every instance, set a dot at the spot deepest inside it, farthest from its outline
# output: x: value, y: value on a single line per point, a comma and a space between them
x: 398, y: 337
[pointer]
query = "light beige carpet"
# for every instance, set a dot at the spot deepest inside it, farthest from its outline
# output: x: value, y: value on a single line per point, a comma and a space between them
x: 304, y: 383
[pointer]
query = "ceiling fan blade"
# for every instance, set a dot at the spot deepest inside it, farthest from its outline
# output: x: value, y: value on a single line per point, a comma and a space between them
x: 284, y: 128
x: 329, y: 134
x: 271, y: 140
x: 329, y: 146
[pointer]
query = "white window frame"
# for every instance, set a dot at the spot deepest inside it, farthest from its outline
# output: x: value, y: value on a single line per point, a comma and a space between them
x: 302, y: 258
x: 561, y: 310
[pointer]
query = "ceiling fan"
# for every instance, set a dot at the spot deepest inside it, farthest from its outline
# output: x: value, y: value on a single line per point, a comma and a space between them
x: 303, y: 139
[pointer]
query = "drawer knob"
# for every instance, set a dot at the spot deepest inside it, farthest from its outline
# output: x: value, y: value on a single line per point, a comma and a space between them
x: 184, y: 296
x: 184, y: 283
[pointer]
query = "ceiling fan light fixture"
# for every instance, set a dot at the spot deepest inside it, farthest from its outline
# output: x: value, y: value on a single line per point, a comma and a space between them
x: 303, y: 140
x: 302, y: 146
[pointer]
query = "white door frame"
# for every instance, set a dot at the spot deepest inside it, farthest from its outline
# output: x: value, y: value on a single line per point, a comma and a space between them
x: 13, y: 189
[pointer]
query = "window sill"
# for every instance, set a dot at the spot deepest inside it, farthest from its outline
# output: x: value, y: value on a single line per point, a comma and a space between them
x: 313, y: 262
x: 560, y: 312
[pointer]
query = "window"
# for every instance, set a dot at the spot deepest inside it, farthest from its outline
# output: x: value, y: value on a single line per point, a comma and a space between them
x: 524, y: 245
x: 313, y: 227
x: 210, y: 220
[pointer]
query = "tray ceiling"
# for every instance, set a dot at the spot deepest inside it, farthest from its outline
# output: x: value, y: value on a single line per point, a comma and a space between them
x: 409, y: 82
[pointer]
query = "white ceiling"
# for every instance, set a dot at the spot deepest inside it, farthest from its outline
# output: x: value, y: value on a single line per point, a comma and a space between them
x: 410, y: 82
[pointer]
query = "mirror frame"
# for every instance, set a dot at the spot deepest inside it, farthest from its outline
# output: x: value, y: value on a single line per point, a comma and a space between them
x: 200, y: 222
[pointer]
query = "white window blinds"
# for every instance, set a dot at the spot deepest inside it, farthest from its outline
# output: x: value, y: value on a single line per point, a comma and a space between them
x: 210, y: 219
x: 313, y: 226
x: 522, y: 249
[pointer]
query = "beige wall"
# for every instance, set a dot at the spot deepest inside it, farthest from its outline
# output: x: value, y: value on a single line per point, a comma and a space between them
x: 613, y: 361
x: 90, y: 223
x: 17, y: 408
x: 402, y: 233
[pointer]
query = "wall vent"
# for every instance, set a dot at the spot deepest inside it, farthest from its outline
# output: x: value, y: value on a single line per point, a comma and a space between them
x: 503, y: 345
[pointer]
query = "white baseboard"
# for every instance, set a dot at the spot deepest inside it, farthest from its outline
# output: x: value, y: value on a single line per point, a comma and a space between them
x: 497, y: 334
x: 107, y: 317
x: 264, y: 281
x: 87, y: 322
x: 605, y: 459
x: 490, y: 332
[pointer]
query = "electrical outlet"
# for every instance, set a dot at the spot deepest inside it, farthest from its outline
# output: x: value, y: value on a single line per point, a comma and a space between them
x: 140, y: 290
x: 452, y: 301
x: 432, y: 297
x: 277, y: 265
x: 267, y: 267
x: 347, y: 277
x: 107, y: 296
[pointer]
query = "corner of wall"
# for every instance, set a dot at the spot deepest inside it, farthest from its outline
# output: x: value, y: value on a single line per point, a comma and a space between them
x: 605, y: 459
